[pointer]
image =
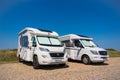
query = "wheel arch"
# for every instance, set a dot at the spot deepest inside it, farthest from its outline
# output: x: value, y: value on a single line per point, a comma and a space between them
x: 83, y: 56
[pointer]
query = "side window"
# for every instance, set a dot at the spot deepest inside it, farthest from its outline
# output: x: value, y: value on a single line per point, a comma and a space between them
x: 77, y: 43
x: 67, y: 43
x: 24, y: 41
x: 33, y: 42
x: 21, y: 41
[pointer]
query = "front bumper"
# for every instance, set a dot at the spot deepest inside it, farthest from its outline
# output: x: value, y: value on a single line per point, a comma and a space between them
x: 99, y: 58
x: 53, y: 61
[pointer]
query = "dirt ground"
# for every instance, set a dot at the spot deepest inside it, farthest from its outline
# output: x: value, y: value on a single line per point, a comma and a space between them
x: 74, y: 70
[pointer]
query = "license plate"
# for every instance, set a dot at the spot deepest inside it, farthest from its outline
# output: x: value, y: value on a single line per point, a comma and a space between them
x: 58, y: 60
x: 104, y: 58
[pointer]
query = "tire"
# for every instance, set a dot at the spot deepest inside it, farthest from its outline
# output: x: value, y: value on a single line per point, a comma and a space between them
x: 19, y: 59
x: 35, y: 62
x: 86, y: 60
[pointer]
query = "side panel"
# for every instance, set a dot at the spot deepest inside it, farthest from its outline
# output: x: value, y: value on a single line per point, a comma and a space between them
x: 75, y: 53
x: 24, y: 49
x: 71, y: 53
x: 74, y: 50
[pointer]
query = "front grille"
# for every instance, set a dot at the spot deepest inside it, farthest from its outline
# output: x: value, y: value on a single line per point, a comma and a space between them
x: 56, y: 54
x: 103, y: 52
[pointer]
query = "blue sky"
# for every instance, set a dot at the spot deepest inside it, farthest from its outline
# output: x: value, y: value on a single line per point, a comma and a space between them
x: 99, y: 19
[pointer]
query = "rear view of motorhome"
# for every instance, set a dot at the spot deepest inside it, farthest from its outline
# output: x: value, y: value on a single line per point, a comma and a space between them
x: 42, y: 47
x: 84, y: 49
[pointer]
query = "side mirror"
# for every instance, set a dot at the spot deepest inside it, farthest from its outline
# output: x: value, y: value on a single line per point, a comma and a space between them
x: 80, y: 45
x: 63, y: 44
x: 34, y: 44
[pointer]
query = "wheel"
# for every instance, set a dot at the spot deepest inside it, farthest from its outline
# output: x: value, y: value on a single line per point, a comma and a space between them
x: 86, y: 60
x: 35, y: 62
x: 19, y: 59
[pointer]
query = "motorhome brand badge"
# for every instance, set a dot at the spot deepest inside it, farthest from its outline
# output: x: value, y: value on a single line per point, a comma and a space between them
x: 57, y: 54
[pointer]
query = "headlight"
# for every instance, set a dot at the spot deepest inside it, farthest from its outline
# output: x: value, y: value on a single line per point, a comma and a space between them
x: 94, y: 52
x: 44, y: 49
x: 44, y: 56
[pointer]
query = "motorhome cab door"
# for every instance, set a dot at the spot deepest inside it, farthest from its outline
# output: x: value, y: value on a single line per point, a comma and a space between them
x: 33, y: 45
x: 74, y: 49
x: 78, y: 49
x: 69, y: 48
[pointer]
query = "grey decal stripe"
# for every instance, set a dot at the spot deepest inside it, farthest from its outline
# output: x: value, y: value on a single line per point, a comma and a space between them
x: 79, y: 52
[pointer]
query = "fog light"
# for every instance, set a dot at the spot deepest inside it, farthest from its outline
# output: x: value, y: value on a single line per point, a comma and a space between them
x: 44, y: 61
x: 95, y: 57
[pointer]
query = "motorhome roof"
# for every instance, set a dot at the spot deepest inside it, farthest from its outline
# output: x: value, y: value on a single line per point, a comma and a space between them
x: 83, y: 36
x: 45, y: 30
x: 38, y: 31
x: 74, y: 36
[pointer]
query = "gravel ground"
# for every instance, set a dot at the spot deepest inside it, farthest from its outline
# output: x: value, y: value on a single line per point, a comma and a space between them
x: 73, y: 71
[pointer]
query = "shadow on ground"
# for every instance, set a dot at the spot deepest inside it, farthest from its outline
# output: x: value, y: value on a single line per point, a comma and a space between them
x: 47, y: 67
x: 92, y: 64
x: 99, y: 64
x: 75, y: 61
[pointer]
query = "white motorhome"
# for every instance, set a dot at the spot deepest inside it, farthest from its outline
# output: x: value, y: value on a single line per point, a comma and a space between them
x: 84, y: 49
x: 42, y: 47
